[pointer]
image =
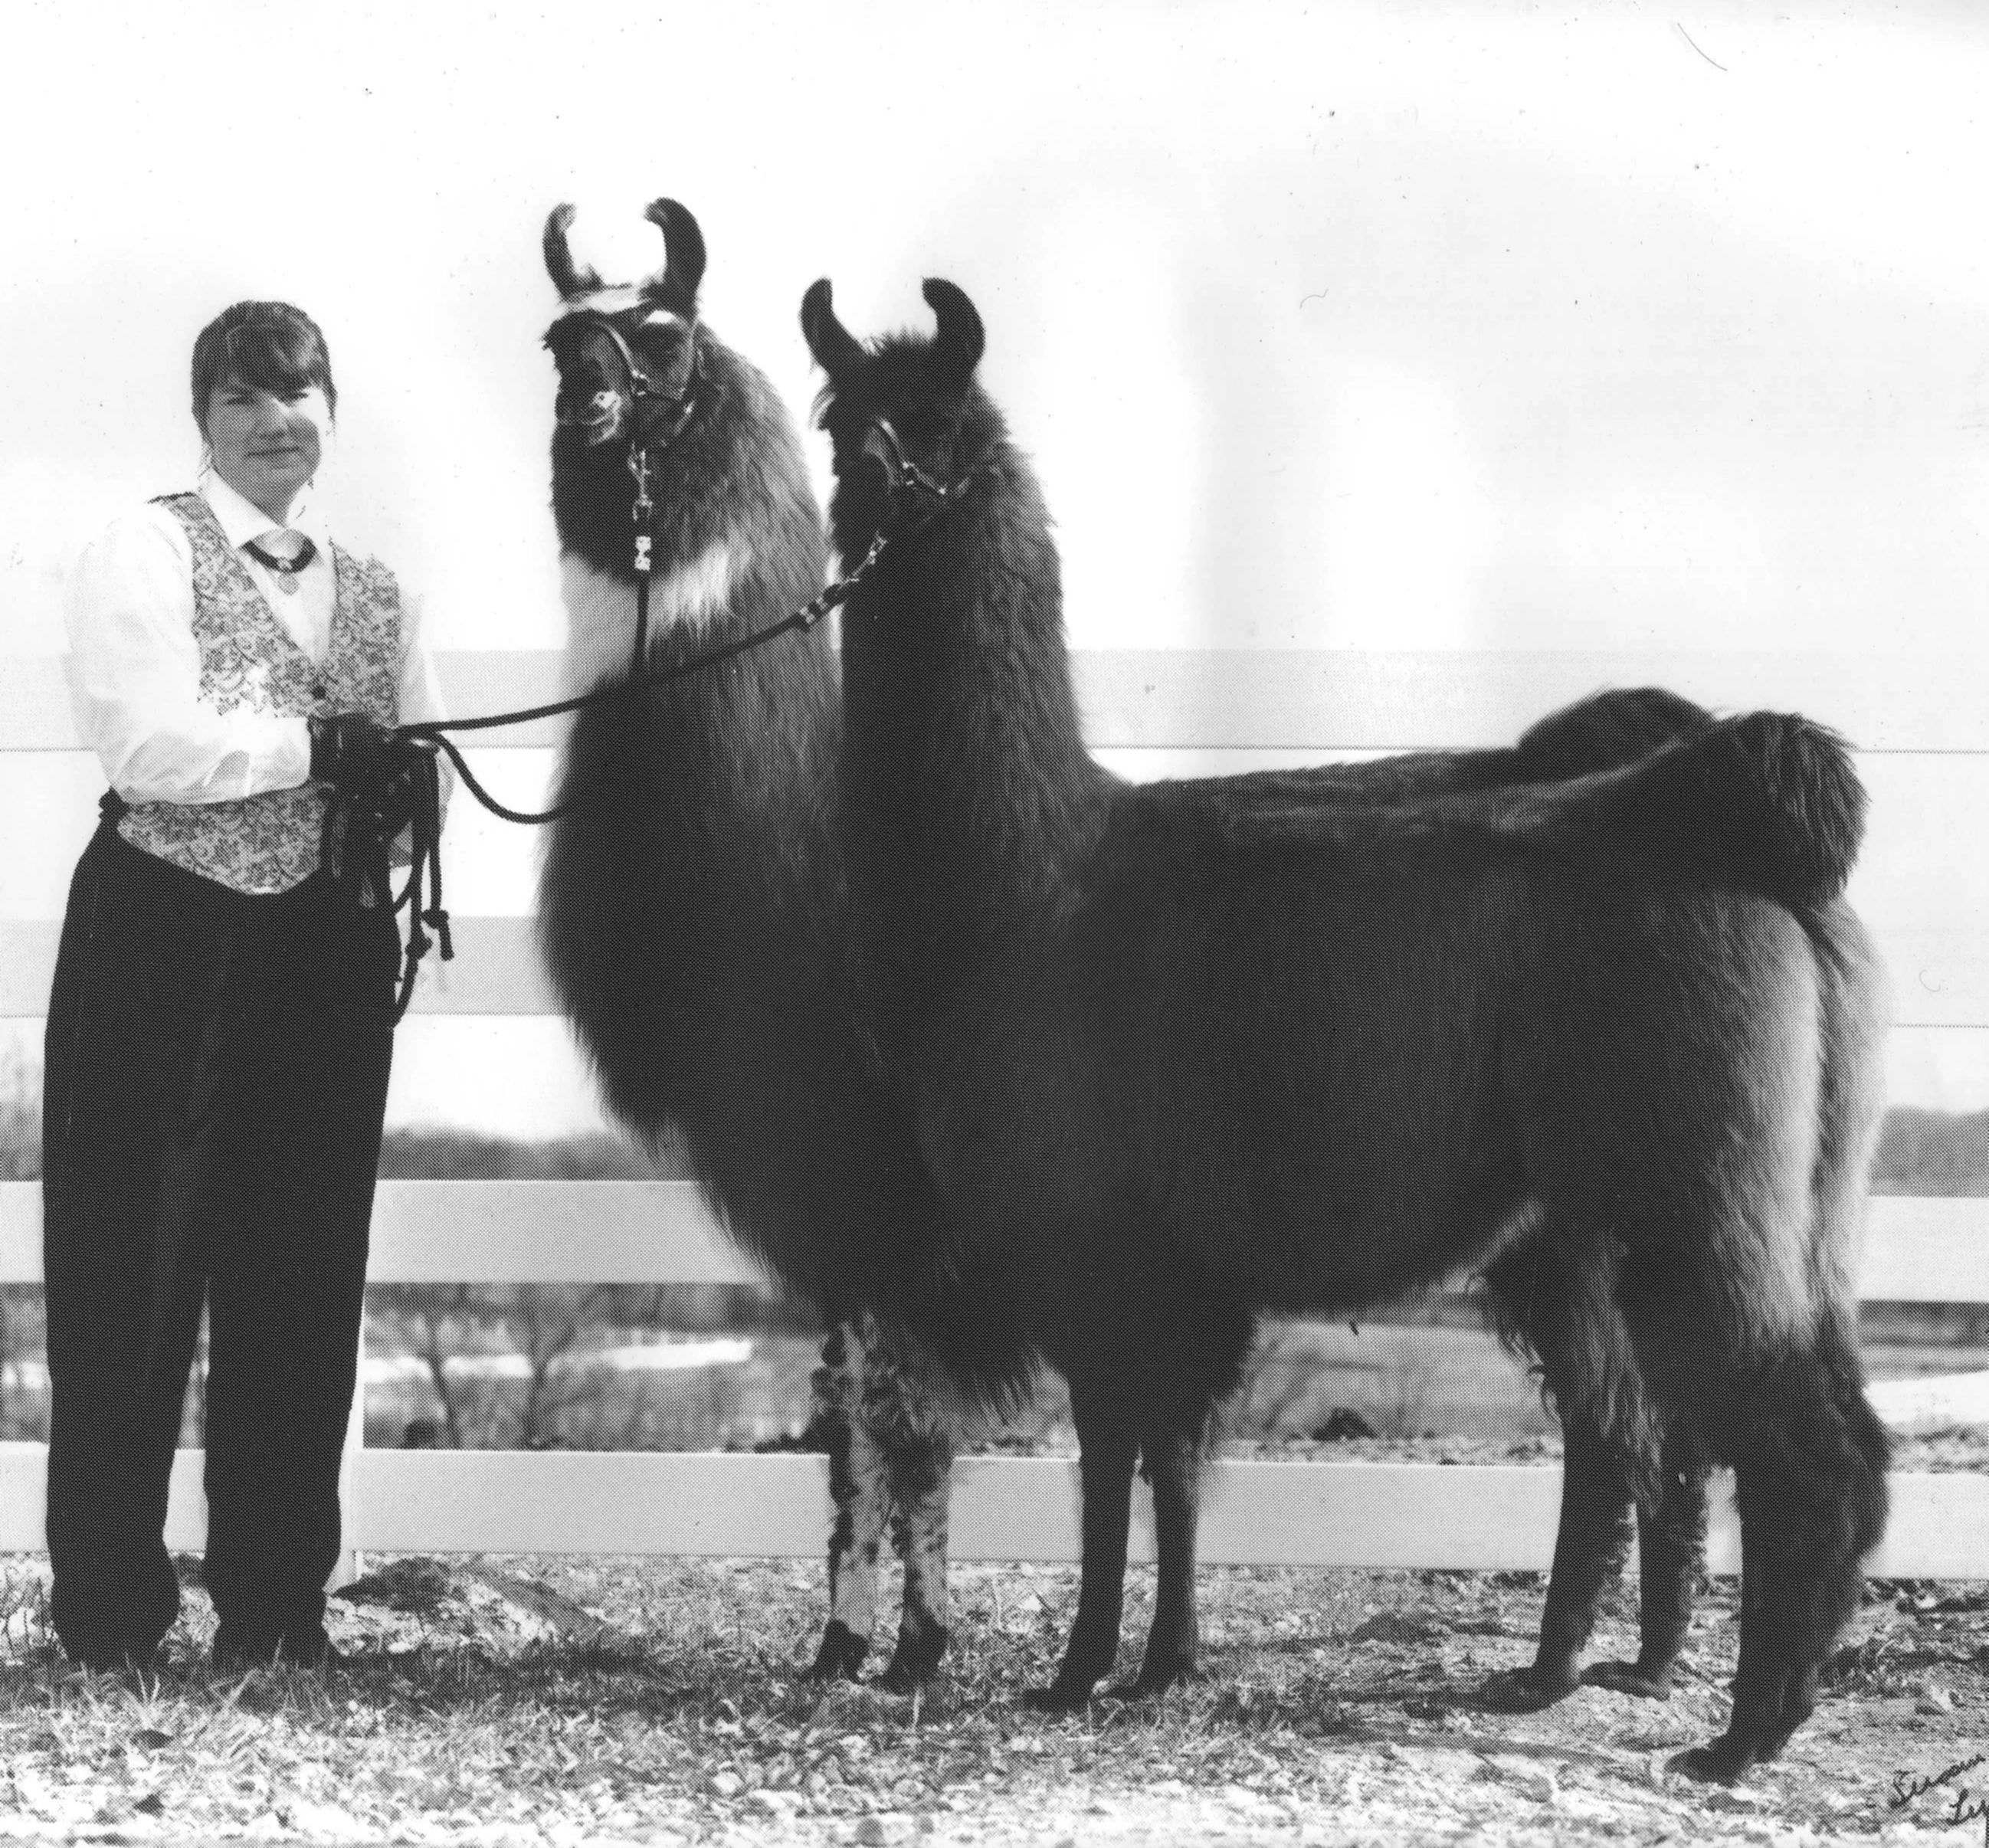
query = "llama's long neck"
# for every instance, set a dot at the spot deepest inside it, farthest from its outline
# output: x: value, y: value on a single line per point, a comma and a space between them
x: 694, y: 596
x: 699, y: 871
x: 726, y: 772
x: 963, y: 755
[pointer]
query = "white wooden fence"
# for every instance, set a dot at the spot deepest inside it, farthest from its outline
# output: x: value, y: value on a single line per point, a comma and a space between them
x: 1914, y: 719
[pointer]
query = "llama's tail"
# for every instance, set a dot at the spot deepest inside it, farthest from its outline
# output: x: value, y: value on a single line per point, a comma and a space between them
x: 1769, y: 802
x: 1771, y: 798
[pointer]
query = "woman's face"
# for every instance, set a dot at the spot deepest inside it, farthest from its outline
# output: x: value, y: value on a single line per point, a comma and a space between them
x: 265, y: 447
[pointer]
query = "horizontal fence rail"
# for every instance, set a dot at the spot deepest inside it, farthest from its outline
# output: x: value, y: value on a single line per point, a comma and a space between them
x: 661, y: 1231
x: 1310, y: 1514
x: 1940, y: 978
x: 1484, y: 1518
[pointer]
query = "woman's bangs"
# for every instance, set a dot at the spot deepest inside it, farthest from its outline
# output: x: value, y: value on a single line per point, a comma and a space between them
x: 282, y: 361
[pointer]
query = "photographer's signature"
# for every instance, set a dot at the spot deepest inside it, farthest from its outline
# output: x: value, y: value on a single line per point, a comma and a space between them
x: 1965, y: 1806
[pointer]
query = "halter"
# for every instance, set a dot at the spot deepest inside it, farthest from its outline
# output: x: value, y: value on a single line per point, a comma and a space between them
x: 641, y: 393
x: 904, y: 476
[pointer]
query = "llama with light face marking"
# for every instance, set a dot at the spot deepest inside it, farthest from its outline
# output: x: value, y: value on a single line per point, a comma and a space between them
x: 692, y: 908
x: 1180, y: 1053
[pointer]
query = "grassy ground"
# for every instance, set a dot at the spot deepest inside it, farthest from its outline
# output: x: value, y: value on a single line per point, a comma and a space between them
x: 564, y: 1701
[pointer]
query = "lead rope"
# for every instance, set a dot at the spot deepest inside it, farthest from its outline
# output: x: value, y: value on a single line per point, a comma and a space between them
x: 643, y: 514
x: 434, y: 731
x: 353, y: 850
x: 425, y: 818
x: 431, y: 735
x: 424, y: 855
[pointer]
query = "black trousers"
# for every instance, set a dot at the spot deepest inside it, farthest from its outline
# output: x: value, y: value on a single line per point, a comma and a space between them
x: 214, y: 1082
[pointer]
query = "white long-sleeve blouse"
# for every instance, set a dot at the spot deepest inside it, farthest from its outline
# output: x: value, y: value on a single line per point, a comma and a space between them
x: 135, y: 664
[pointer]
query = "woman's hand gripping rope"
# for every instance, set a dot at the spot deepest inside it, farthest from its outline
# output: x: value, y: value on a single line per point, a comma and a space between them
x: 383, y: 783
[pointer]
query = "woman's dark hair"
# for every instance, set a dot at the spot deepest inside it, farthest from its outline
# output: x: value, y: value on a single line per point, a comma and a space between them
x: 270, y: 345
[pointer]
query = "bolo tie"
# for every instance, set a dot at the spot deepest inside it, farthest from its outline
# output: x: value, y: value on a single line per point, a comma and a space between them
x: 286, y: 569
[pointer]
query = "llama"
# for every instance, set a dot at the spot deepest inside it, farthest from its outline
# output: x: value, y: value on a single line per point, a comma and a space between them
x: 1179, y: 1054
x: 692, y: 904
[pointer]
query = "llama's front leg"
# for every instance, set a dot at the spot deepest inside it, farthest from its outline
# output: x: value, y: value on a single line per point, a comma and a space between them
x: 1671, y: 1552
x: 859, y: 1484
x: 1590, y: 1544
x: 1109, y: 1447
x: 920, y: 1476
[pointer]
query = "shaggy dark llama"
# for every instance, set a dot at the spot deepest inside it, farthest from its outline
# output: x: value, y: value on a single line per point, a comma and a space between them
x: 1660, y: 1479
x: 1179, y: 1054
x: 692, y: 909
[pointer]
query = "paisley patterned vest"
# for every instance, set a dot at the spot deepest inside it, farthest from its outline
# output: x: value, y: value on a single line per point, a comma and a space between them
x: 269, y: 842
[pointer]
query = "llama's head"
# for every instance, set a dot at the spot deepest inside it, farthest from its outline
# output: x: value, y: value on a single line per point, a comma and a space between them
x: 905, y: 406
x: 627, y: 354
x: 675, y: 464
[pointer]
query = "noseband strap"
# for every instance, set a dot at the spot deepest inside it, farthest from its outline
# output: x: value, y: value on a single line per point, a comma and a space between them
x: 641, y: 389
x: 916, y: 498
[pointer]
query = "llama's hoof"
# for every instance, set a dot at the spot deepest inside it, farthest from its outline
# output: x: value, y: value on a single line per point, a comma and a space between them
x: 1723, y: 1761
x: 1525, y: 1690
x: 1149, y: 1686
x: 841, y: 1654
x: 1798, y: 1703
x: 915, y: 1661
x: 1627, y: 1678
x: 1061, y: 1697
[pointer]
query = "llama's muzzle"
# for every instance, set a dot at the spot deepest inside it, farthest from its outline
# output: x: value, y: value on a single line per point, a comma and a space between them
x: 601, y: 421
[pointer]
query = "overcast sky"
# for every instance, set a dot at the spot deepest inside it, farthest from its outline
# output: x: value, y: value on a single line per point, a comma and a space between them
x: 1462, y: 327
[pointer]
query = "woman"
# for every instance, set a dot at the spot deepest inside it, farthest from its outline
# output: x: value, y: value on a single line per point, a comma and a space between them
x: 221, y: 1023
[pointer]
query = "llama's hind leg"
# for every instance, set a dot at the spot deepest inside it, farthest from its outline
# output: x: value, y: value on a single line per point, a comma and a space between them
x: 1810, y: 1468
x: 859, y: 1485
x: 1671, y: 1552
x: 1170, y: 1459
x: 1108, y: 1442
x: 1590, y: 1544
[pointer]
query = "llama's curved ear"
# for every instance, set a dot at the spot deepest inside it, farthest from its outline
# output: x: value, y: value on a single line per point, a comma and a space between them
x: 569, y: 280
x: 834, y: 347
x: 960, y: 341
x: 674, y: 286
